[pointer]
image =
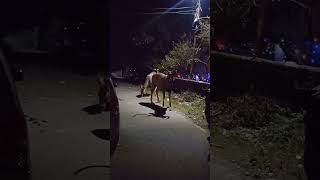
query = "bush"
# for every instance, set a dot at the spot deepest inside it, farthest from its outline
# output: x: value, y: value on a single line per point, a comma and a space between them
x: 251, y: 112
x: 273, y: 131
x: 181, y: 55
x: 188, y: 96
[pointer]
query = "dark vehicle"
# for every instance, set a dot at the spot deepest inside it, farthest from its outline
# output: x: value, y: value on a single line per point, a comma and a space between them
x: 17, y: 72
x: 14, y: 143
x: 113, y: 107
x: 9, y: 53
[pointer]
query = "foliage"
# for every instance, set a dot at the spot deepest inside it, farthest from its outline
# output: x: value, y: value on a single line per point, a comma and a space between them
x: 178, y: 57
x: 273, y: 132
x: 184, y: 53
x: 284, y: 141
x: 192, y: 105
x: 204, y: 34
x: 188, y: 96
x: 234, y: 20
x: 203, y: 39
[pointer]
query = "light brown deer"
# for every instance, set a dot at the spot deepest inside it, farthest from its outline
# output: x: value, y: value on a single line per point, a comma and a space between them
x: 147, y: 83
x: 163, y: 83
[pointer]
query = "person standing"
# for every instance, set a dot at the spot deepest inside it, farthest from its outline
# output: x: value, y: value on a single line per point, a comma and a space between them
x: 278, y: 53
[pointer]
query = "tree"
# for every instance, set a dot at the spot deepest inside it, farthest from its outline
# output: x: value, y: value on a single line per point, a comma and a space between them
x: 203, y: 38
x: 185, y: 53
x: 181, y: 55
x: 265, y: 5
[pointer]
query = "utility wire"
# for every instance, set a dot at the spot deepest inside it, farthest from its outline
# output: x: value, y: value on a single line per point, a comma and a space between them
x: 187, y: 11
x: 300, y: 4
x: 169, y: 13
x: 174, y: 8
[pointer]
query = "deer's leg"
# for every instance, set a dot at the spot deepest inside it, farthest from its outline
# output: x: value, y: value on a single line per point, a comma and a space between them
x: 152, y: 90
x: 142, y: 88
x: 100, y: 94
x: 163, y: 97
x: 157, y: 91
x: 170, y: 100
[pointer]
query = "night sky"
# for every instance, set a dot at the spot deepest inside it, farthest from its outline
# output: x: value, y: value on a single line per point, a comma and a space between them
x: 125, y: 18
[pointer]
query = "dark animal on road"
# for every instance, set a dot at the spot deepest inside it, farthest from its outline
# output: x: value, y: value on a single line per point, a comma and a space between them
x: 163, y: 83
x: 102, y: 92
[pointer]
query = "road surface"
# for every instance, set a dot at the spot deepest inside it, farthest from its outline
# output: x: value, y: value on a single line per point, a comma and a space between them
x: 64, y: 139
x: 151, y: 148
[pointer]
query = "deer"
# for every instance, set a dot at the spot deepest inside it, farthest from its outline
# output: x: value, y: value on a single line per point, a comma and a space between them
x: 164, y: 83
x: 147, y: 83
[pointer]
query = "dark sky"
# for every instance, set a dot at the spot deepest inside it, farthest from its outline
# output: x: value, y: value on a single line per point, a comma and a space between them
x: 125, y: 18
x: 17, y: 14
x: 127, y: 11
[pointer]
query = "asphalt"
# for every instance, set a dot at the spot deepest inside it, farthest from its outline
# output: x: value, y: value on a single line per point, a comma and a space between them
x: 63, y: 145
x: 170, y: 147
x: 66, y: 142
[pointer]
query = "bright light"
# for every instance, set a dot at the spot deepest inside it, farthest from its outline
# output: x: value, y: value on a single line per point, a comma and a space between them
x: 197, y: 78
x: 312, y: 61
x: 168, y: 10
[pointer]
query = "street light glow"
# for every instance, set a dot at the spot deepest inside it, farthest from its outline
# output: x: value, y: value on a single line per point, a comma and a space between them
x: 165, y: 12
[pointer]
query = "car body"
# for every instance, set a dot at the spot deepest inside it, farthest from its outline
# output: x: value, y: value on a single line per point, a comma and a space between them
x: 113, y: 108
x: 14, y: 142
x: 17, y: 72
x: 9, y: 53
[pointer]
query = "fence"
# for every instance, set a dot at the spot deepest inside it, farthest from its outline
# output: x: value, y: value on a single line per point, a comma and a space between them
x: 190, y: 85
x: 233, y: 74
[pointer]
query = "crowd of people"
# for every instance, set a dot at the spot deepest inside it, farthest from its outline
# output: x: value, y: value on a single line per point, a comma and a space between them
x: 280, y: 50
x: 199, y: 76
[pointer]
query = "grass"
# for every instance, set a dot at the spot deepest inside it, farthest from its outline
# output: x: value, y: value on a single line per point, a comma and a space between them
x: 264, y: 137
x: 192, y: 105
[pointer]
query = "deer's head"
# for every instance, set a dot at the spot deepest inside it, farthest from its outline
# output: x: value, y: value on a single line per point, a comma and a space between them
x: 155, y: 70
x: 170, y: 76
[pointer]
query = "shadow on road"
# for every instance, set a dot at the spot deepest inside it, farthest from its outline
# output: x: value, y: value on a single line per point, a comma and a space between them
x: 88, y: 167
x: 102, y: 133
x: 140, y: 96
x: 35, y: 121
x: 158, y: 110
x: 93, y: 109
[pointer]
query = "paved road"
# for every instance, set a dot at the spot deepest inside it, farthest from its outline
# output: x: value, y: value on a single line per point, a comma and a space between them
x: 61, y: 133
x: 153, y: 148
